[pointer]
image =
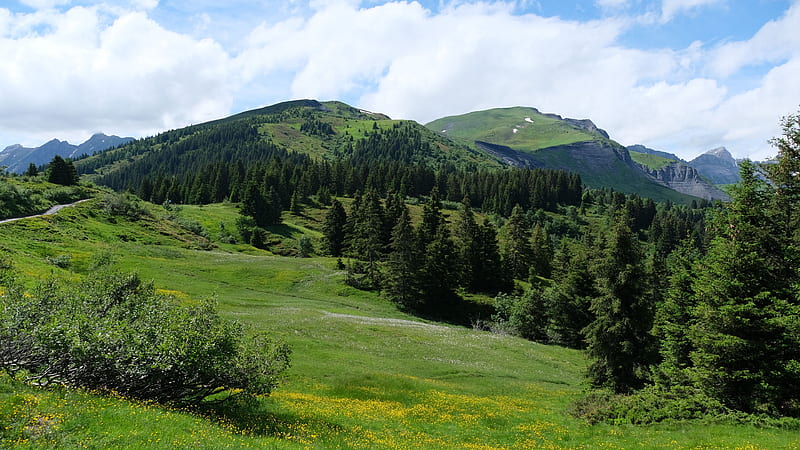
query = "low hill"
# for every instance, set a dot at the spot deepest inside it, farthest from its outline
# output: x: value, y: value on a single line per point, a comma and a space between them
x: 523, y: 136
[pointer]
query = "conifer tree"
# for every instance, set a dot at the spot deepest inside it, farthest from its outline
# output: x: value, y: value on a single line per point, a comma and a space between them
x: 32, y: 170
x: 333, y: 229
x: 468, y: 245
x: 61, y: 171
x: 517, y: 249
x: 746, y: 349
x: 619, y: 340
x: 367, y: 243
x: 439, y: 275
x: 402, y: 284
x: 541, y: 252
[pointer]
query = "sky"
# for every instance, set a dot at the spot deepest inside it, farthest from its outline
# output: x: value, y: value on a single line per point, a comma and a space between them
x: 683, y: 76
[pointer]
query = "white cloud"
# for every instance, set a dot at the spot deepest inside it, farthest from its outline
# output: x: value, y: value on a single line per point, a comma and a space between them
x: 671, y: 8
x: 776, y: 41
x: 69, y: 73
x: 111, y: 70
x: 44, y: 4
x: 612, y: 4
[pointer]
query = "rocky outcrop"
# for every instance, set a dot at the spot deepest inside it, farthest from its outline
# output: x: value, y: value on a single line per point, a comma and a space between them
x: 685, y: 179
x: 588, y: 125
x: 718, y: 166
x: 508, y: 155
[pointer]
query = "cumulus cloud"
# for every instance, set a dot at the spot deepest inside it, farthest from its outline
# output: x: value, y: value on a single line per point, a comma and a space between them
x: 72, y: 73
x: 776, y: 41
x: 119, y: 71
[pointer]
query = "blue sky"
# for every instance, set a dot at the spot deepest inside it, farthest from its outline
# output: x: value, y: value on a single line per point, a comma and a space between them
x: 683, y: 76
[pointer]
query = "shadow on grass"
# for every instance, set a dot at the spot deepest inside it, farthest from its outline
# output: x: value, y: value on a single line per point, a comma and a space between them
x: 260, y: 417
x: 283, y: 230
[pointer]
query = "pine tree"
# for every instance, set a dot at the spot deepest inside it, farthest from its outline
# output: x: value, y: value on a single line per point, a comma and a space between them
x: 468, y: 245
x: 517, y: 249
x: 367, y: 237
x: 745, y: 325
x: 541, y: 252
x: 32, y: 170
x: 439, y: 274
x: 402, y: 268
x: 62, y: 172
x: 619, y: 340
x: 333, y: 229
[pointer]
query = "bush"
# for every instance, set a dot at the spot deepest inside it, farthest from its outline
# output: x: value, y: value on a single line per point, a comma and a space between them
x: 123, y: 205
x: 649, y: 405
x: 115, y: 333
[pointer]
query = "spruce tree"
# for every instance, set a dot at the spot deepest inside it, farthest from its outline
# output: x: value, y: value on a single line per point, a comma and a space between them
x: 541, y: 252
x: 517, y: 249
x: 745, y: 325
x: 62, y: 172
x: 402, y: 284
x: 367, y: 237
x: 619, y: 340
x: 333, y: 229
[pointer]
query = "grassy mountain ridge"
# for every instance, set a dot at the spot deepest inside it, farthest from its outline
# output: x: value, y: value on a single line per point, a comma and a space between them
x: 336, y: 132
x: 321, y: 130
x: 525, y: 137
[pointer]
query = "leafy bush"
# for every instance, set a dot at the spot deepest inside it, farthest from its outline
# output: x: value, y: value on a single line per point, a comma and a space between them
x: 649, y: 405
x: 62, y: 261
x: 115, y: 333
x: 522, y: 316
x: 123, y: 205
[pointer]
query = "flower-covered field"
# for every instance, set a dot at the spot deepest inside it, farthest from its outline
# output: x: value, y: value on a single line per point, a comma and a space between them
x: 363, y: 375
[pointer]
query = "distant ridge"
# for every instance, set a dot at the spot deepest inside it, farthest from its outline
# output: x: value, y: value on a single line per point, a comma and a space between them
x: 17, y: 158
x: 718, y: 165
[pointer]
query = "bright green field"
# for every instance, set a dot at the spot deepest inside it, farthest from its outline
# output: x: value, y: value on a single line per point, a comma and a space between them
x: 651, y: 161
x: 364, y: 375
x: 533, y: 130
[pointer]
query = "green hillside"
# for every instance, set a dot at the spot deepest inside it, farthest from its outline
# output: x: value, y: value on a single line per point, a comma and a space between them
x: 654, y: 162
x: 518, y: 127
x: 364, y: 375
x: 523, y: 136
x: 329, y: 131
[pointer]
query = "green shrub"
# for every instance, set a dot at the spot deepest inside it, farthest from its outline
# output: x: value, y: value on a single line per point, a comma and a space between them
x: 649, y: 405
x: 115, y: 333
x: 123, y: 205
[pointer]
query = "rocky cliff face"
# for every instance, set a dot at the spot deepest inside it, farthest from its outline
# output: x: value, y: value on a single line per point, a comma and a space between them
x: 686, y: 179
x: 718, y: 166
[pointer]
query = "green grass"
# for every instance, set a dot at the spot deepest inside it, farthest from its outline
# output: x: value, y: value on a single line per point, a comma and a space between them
x: 364, y: 375
x: 497, y: 126
x: 653, y: 162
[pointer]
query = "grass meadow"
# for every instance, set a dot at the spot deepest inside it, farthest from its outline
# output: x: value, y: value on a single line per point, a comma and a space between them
x: 363, y: 375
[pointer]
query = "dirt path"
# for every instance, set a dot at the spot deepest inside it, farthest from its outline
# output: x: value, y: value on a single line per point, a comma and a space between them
x: 50, y: 211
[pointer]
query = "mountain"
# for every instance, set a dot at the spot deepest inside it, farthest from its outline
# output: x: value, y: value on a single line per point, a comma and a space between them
x: 683, y: 178
x: 718, y: 165
x: 336, y: 132
x: 675, y: 173
x: 297, y: 133
x: 523, y: 136
x: 642, y: 149
x: 18, y: 158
